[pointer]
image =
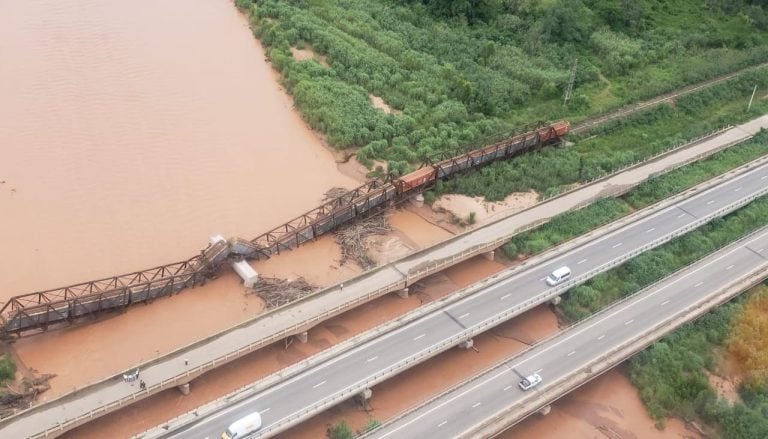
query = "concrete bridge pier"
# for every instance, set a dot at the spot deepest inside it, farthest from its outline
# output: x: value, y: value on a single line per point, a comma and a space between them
x: 363, y: 397
x: 544, y: 411
x: 467, y: 344
x: 184, y: 388
x: 555, y: 300
x: 302, y: 336
x: 403, y: 293
x: 489, y: 255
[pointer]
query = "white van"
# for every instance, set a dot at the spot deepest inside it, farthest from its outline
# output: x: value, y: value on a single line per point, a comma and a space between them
x: 559, y: 275
x: 243, y: 426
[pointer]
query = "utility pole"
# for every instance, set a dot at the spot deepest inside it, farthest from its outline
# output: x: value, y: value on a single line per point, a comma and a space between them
x: 569, y: 89
x: 750, y: 99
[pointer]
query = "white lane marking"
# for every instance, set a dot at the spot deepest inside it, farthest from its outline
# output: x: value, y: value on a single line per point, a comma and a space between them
x: 507, y: 388
x: 763, y: 177
x: 464, y: 315
x: 571, y: 353
x: 581, y: 262
x: 681, y: 215
x: 601, y: 337
x: 418, y: 337
x: 698, y: 284
x: 319, y: 384
x: 477, y: 404
x: 505, y: 296
x: 650, y: 230
x: 618, y: 244
x: 729, y: 267
x: 558, y: 343
x: 543, y: 278
x: 737, y: 189
x: 761, y: 250
x: 664, y: 302
x: 537, y: 371
x: 373, y: 358
x: 628, y: 322
x: 441, y: 424
x: 265, y: 410
x: 710, y: 202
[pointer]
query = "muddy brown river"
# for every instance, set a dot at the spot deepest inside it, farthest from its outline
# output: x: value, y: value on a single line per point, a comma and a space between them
x: 131, y: 131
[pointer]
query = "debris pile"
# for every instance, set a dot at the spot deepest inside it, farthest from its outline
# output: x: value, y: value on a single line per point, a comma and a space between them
x: 351, y: 238
x: 277, y: 292
x: 18, y: 396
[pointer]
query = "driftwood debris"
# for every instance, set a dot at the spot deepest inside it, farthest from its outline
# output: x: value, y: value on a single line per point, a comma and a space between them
x: 276, y: 292
x: 18, y: 396
x: 351, y: 238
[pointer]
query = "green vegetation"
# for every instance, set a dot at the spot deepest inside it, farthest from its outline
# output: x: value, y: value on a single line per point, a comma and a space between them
x: 371, y: 425
x: 7, y: 368
x: 572, y: 224
x: 672, y: 380
x: 460, y: 71
x: 341, y: 431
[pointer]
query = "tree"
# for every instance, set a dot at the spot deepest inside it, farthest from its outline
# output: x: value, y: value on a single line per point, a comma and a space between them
x: 568, y: 21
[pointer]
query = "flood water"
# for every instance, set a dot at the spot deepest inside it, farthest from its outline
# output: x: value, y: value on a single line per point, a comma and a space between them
x: 131, y: 131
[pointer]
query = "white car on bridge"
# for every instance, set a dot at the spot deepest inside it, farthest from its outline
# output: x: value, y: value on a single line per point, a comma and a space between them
x: 530, y: 381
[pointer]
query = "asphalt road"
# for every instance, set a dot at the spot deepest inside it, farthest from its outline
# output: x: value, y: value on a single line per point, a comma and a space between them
x: 356, y: 366
x: 572, y: 350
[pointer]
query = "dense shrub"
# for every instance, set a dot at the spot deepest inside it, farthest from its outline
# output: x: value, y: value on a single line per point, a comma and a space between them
x: 460, y: 70
x: 7, y: 368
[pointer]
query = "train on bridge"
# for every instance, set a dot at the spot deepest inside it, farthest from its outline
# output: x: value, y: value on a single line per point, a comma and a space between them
x: 41, y: 309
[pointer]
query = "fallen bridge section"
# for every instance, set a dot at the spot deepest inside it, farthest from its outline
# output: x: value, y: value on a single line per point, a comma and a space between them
x: 44, y: 308
x: 492, y: 401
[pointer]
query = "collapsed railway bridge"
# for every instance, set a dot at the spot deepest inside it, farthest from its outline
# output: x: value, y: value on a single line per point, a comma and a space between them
x: 42, y: 309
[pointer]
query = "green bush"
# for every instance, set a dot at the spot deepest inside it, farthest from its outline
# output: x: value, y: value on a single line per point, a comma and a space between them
x: 7, y: 368
x: 340, y: 431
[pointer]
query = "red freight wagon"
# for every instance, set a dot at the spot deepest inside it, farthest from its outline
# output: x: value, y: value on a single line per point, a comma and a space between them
x: 415, y: 179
